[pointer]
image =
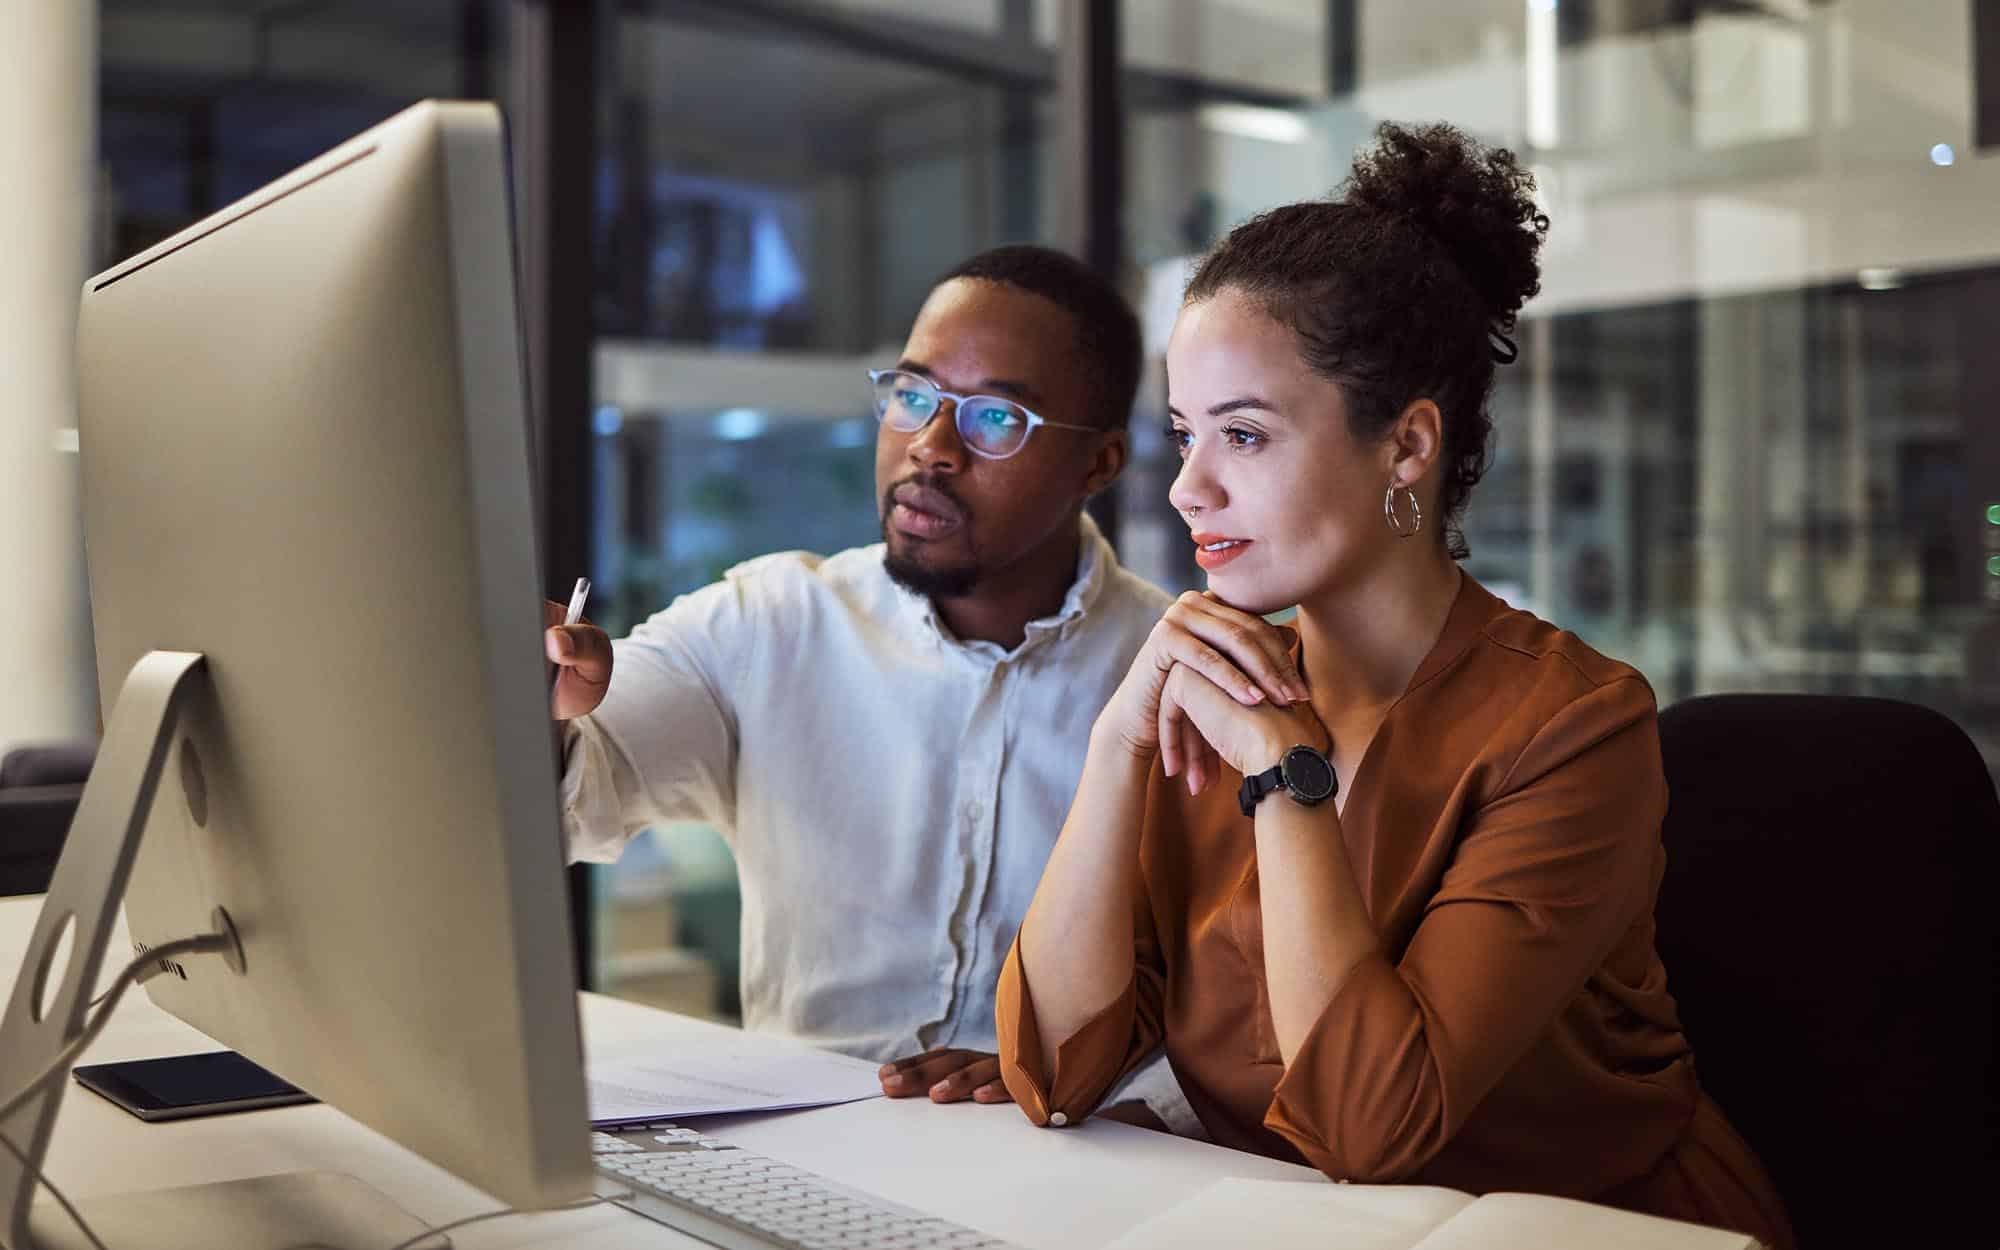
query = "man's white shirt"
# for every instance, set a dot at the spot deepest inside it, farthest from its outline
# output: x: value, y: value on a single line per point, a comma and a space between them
x: 891, y: 792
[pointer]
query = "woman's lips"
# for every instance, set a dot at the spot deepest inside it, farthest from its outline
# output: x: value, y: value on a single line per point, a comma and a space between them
x: 1212, y: 551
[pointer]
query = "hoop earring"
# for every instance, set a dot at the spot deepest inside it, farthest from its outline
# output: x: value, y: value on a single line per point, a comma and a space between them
x: 1416, y: 523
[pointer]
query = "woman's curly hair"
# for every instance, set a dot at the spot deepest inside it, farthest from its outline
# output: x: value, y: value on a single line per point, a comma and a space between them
x: 1405, y: 287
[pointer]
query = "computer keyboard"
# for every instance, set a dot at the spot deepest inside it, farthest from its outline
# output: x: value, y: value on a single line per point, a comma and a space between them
x: 739, y: 1200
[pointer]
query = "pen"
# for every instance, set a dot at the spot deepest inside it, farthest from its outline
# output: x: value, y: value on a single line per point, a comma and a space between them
x: 576, y: 598
x: 570, y: 617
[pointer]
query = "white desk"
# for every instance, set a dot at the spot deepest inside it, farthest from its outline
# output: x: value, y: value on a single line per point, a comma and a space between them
x: 1065, y: 1189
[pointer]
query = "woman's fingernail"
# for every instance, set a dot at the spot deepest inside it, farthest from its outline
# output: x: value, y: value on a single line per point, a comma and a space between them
x: 942, y: 1087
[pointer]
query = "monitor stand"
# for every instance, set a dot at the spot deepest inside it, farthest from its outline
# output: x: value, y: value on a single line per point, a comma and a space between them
x: 51, y: 1005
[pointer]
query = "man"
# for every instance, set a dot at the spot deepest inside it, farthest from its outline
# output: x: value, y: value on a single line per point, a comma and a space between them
x: 889, y: 737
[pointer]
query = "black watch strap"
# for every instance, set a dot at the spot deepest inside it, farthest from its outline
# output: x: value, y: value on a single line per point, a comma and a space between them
x: 1254, y: 788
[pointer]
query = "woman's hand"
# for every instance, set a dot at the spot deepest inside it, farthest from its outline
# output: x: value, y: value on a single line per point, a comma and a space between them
x: 1240, y: 654
x: 1211, y: 725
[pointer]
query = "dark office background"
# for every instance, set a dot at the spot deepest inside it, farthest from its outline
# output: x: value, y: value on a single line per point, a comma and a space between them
x: 726, y: 209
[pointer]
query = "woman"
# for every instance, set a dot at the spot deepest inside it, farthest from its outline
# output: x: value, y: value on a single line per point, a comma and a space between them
x: 1431, y: 958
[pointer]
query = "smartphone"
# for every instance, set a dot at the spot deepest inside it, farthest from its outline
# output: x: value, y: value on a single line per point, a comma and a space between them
x: 180, y: 1086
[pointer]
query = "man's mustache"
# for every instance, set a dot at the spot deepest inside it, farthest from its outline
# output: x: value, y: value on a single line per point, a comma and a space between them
x: 926, y: 492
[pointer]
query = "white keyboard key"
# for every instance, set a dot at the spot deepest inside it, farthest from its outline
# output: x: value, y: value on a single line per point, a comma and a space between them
x: 735, y: 1198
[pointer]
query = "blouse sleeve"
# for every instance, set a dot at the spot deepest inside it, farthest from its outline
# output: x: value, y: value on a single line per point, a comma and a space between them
x: 1108, y: 1046
x: 1550, y: 875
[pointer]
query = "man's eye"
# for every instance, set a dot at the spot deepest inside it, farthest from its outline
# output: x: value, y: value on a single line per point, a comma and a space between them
x: 913, y: 399
x: 999, y: 418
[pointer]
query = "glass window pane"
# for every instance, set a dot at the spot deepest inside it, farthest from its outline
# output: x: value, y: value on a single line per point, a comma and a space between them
x: 774, y: 204
x: 202, y: 103
x: 1745, y: 445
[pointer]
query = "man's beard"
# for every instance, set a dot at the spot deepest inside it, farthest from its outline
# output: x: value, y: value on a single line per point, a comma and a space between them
x: 950, y: 582
x: 953, y: 582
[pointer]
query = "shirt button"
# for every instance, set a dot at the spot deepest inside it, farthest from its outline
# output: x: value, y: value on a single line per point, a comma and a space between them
x: 1058, y: 1119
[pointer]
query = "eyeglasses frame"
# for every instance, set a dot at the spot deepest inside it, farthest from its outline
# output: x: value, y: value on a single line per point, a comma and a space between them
x: 958, y: 402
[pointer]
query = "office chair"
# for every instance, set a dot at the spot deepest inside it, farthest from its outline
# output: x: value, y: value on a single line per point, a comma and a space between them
x: 40, y: 786
x: 1827, y: 926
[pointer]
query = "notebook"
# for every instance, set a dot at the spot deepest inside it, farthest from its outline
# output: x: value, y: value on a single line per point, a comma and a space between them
x: 1280, y: 1214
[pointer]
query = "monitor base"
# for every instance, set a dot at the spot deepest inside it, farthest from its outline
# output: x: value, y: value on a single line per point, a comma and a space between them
x: 286, y: 1211
x: 50, y: 1006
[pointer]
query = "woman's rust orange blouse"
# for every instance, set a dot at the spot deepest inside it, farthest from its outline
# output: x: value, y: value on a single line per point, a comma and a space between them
x: 1513, y: 1031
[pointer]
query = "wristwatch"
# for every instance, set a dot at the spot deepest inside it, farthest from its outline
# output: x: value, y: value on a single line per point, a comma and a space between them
x: 1305, y: 773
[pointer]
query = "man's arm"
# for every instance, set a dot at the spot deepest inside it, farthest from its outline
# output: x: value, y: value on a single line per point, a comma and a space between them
x: 1151, y: 1098
x: 659, y: 742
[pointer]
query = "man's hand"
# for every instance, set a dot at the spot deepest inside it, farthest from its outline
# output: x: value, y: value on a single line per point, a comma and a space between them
x: 582, y: 656
x: 947, y: 1076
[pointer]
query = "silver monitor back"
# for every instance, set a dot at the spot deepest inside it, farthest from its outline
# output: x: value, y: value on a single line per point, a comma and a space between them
x: 305, y: 455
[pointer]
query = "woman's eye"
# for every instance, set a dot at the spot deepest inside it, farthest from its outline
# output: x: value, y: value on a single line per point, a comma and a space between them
x: 1241, y: 437
x: 1179, y: 439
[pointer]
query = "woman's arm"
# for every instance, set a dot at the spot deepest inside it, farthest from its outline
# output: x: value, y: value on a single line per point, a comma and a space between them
x: 1316, y: 927
x: 1076, y: 940
x: 1552, y: 871
x: 1070, y: 989
x: 1384, y: 1061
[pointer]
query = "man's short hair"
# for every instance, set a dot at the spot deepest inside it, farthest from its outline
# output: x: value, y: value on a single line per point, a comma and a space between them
x: 1107, y: 331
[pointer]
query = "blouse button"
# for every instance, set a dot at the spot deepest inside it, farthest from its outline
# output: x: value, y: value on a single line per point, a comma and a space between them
x: 1058, y: 1119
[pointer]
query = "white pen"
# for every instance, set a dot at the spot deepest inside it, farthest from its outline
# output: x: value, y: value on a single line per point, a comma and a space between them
x: 576, y: 598
x: 571, y: 617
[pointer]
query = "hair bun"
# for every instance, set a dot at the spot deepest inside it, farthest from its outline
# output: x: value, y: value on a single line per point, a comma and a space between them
x: 1476, y: 201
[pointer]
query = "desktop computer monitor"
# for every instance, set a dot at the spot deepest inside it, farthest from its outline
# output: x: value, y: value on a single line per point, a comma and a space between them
x: 305, y: 456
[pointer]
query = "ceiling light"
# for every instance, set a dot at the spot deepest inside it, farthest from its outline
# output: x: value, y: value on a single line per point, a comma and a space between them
x: 1251, y: 122
x: 739, y: 424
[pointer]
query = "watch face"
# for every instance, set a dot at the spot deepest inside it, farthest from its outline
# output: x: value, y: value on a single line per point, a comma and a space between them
x: 1308, y: 774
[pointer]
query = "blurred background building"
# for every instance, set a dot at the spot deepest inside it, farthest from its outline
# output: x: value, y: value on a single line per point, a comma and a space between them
x: 1752, y: 442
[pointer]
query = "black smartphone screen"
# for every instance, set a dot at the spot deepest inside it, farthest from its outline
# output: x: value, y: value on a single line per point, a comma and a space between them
x: 188, y: 1085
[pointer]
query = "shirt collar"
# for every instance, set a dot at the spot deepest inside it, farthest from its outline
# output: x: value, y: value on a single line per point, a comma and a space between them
x: 1095, y: 563
x: 1471, y: 612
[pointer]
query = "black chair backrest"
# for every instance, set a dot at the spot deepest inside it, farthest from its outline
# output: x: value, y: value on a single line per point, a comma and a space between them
x: 40, y: 786
x: 64, y: 763
x: 1827, y: 925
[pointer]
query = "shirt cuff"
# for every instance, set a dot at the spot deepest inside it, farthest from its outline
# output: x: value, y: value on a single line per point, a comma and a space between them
x: 1156, y: 1085
x: 593, y: 826
x: 1086, y: 1064
x: 1345, y: 1100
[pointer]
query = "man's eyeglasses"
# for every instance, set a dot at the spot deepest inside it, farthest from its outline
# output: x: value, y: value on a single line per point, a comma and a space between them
x: 988, y: 425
